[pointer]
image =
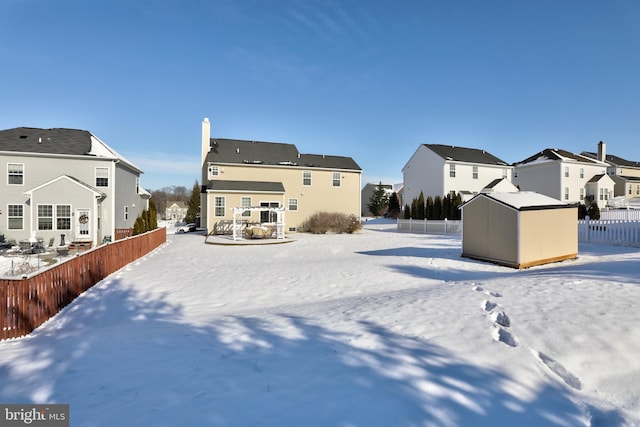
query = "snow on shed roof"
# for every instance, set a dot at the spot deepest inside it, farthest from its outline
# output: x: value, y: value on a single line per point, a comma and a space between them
x: 525, y: 200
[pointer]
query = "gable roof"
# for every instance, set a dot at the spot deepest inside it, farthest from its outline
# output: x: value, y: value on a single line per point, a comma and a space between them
x: 599, y: 177
x: 614, y: 160
x: 58, y: 141
x: 95, y: 191
x: 49, y: 141
x: 461, y: 154
x: 556, y: 155
x: 272, y: 153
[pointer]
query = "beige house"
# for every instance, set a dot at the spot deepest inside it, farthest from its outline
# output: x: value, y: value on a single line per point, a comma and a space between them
x: 255, y: 174
x: 176, y: 211
x: 519, y: 229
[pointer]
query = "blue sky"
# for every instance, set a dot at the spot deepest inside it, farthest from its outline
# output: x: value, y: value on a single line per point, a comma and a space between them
x: 367, y: 79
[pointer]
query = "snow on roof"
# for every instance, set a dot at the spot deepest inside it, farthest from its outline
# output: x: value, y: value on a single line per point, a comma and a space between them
x: 526, y: 199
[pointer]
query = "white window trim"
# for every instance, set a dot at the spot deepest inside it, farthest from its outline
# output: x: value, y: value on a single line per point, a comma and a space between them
x: 13, y: 216
x: 223, y: 206
x: 8, y: 174
x: 304, y: 178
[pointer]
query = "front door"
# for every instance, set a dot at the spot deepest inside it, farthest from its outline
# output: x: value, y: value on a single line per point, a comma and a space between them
x: 83, y: 224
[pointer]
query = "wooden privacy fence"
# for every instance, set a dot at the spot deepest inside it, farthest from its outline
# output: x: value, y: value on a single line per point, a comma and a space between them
x: 27, y: 303
x: 625, y: 233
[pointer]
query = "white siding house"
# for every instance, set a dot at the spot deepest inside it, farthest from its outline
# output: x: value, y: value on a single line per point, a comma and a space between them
x: 65, y: 181
x: 564, y: 176
x: 437, y: 170
x: 625, y: 173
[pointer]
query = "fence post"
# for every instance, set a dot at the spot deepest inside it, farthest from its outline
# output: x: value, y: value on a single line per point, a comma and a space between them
x: 425, y: 226
x: 445, y: 226
x: 586, y: 224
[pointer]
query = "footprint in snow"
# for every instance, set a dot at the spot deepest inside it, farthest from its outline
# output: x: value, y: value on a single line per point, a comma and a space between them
x: 505, y: 337
x: 501, y: 319
x: 478, y: 288
x: 555, y: 367
x: 488, y: 305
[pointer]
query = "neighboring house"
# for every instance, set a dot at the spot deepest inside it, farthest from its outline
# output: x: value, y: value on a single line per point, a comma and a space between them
x: 437, y: 170
x: 176, y: 211
x: 240, y: 173
x: 564, y: 176
x: 625, y: 173
x: 366, y: 194
x: 65, y: 181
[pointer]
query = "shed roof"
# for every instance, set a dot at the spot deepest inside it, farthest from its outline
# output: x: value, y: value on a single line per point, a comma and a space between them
x: 524, y: 200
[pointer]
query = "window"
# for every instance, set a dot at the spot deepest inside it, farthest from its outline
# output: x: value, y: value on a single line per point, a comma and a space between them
x: 336, y: 179
x: 15, y: 173
x: 582, y: 194
x: 63, y: 217
x: 638, y: 189
x: 566, y: 171
x: 475, y: 172
x: 581, y: 172
x: 219, y: 206
x: 45, y: 217
x: 293, y: 204
x: 566, y: 193
x: 126, y: 213
x: 602, y: 194
x: 452, y: 170
x: 16, y: 216
x: 215, y: 170
x: 630, y: 189
x: 102, y: 177
x: 306, y: 177
x: 245, y: 202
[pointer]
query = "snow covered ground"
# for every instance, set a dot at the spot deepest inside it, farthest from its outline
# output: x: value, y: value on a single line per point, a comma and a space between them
x: 372, y: 329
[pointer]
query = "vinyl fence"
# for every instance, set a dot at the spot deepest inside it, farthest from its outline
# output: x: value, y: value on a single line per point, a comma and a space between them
x: 430, y: 226
x: 27, y: 303
x: 625, y: 233
x: 620, y: 215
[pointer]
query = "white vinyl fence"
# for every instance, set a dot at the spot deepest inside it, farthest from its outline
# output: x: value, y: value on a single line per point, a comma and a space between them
x: 625, y: 233
x: 430, y: 226
x: 620, y: 214
x: 612, y: 232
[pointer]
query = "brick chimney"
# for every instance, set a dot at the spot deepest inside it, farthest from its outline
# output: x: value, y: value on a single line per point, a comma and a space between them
x: 602, y: 151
